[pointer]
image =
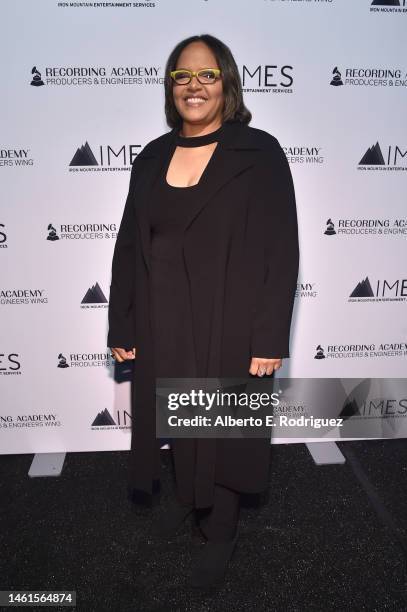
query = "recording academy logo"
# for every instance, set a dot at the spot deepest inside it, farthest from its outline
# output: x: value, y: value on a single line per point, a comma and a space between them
x: 337, y: 77
x: 14, y: 421
x: 352, y: 350
x: 108, y: 158
x: 388, y: 6
x: 79, y: 76
x: 85, y: 360
x: 369, y: 77
x: 387, y: 227
x: 3, y: 237
x: 10, y: 157
x: 306, y: 290
x: 374, y: 159
x: 267, y: 78
x: 81, y: 231
x: 23, y: 296
x: 319, y: 352
x: 382, y: 290
x: 304, y: 154
x: 36, y: 79
x: 104, y: 420
x: 94, y: 298
x: 10, y: 364
x: 62, y: 361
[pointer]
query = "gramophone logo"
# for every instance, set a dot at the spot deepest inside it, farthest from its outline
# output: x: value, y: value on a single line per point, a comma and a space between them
x: 105, y: 420
x: 337, y: 77
x: 62, y: 361
x: 319, y: 352
x: 52, y: 233
x: 382, y: 291
x: 36, y: 80
x: 330, y: 228
x: 94, y: 298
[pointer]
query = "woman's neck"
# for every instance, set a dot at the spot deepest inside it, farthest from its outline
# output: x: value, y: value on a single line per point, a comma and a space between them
x: 191, y: 129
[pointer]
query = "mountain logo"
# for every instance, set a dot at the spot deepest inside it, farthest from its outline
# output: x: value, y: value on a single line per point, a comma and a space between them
x: 94, y: 295
x: 84, y: 156
x: 103, y: 419
x: 363, y: 289
x: 373, y: 156
x: 385, y: 3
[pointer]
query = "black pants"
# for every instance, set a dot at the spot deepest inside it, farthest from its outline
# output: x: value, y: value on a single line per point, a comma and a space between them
x: 219, y: 522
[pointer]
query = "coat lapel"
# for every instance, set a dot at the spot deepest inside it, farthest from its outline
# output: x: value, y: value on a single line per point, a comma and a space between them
x: 230, y: 158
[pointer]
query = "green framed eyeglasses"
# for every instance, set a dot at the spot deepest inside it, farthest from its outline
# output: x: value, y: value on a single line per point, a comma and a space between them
x: 206, y: 76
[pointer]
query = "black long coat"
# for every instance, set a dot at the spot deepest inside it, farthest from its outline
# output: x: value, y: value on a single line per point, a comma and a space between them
x: 241, y: 257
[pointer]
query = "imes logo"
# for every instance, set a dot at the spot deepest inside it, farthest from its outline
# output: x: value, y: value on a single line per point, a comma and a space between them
x: 94, y: 298
x: 108, y: 158
x: 267, y: 78
x: 382, y: 291
x: 373, y: 158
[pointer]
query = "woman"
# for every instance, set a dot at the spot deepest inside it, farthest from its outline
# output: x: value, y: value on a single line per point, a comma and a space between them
x: 203, y: 279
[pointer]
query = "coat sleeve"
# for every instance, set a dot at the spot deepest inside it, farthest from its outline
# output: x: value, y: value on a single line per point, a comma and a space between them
x: 274, y: 304
x: 120, y: 314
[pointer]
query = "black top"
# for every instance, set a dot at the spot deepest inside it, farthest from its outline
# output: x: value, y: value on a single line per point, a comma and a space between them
x: 170, y: 211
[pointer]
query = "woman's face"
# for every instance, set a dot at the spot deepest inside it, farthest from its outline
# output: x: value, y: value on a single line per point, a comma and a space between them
x: 197, y: 103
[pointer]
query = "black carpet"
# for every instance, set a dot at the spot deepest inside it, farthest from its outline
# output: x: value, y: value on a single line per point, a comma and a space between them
x: 328, y: 538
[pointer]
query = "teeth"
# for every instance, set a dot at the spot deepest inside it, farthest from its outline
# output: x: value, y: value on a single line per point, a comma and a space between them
x: 195, y: 99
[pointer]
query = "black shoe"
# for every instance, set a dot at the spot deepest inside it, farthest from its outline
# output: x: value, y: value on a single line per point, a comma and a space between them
x: 211, y: 563
x: 170, y: 519
x: 143, y: 502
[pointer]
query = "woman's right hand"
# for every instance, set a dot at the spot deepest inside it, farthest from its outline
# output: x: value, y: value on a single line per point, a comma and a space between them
x: 120, y: 354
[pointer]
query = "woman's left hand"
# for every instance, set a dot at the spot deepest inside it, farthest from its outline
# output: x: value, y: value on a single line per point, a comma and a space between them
x: 262, y: 366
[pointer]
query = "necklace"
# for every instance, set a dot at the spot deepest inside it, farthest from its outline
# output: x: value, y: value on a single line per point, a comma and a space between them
x: 198, y: 141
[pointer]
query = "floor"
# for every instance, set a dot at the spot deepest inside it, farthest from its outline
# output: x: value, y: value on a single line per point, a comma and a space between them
x: 328, y: 537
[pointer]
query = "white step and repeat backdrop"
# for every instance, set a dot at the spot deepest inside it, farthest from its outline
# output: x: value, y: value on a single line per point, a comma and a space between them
x: 82, y: 93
